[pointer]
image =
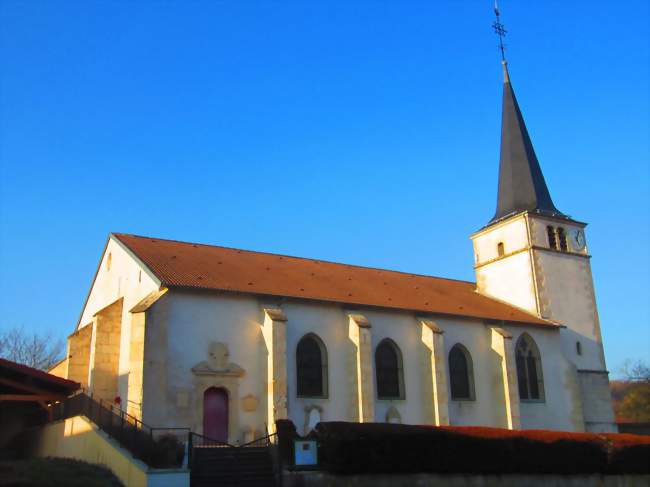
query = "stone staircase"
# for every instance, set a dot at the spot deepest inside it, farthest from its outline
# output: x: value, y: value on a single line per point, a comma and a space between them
x: 232, y: 466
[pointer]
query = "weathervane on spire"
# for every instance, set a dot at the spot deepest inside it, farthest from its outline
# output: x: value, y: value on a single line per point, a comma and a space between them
x: 500, y: 30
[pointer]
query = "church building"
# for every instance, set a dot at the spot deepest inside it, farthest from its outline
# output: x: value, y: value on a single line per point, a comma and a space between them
x: 226, y: 341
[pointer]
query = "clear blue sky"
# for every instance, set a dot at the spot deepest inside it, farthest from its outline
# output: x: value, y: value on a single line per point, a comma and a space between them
x: 356, y: 131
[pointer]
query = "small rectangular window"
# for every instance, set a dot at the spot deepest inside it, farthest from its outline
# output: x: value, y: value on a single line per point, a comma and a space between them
x: 500, y: 249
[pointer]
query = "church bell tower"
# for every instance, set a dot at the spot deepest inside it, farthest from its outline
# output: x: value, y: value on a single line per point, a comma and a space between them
x: 535, y: 257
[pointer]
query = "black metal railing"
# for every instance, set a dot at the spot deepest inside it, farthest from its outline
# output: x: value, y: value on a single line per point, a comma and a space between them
x: 267, y: 440
x: 196, y: 440
x: 157, y: 447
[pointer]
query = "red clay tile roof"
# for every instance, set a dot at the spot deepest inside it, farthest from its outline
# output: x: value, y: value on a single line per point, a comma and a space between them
x: 198, y: 266
x: 48, y: 380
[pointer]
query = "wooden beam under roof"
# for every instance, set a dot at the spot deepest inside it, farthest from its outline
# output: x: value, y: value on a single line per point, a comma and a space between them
x: 31, y: 397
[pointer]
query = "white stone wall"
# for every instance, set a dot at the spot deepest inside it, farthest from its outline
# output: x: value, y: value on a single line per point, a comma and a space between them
x: 405, y: 330
x: 181, y: 325
x: 513, y: 233
x: 567, y: 295
x: 510, y: 278
x: 488, y: 408
x: 123, y: 278
x: 598, y: 415
x: 179, y: 330
x: 331, y: 325
x: 557, y: 286
x: 562, y: 405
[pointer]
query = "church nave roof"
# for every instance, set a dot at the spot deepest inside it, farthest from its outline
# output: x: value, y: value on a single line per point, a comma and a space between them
x: 209, y: 267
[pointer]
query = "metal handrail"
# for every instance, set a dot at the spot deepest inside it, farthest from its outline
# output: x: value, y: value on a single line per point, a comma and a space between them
x: 224, y: 444
x: 157, y: 447
x: 208, y: 442
x: 266, y: 439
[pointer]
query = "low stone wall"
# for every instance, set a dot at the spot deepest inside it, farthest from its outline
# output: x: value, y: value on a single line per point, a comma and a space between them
x: 322, y: 479
x: 80, y: 439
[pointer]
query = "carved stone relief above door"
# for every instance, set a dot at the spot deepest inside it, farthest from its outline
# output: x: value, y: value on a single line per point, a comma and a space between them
x: 217, y: 364
x: 217, y: 372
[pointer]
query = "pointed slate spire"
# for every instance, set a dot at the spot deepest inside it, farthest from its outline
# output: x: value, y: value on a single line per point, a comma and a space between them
x: 521, y: 183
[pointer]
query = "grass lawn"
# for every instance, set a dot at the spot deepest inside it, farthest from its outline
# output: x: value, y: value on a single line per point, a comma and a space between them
x: 55, y: 472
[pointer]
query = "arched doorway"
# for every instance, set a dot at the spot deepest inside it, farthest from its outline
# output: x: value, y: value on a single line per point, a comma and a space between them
x: 215, y: 414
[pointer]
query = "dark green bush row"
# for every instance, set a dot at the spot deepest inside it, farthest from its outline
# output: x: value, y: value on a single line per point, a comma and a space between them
x: 356, y: 448
x: 630, y: 459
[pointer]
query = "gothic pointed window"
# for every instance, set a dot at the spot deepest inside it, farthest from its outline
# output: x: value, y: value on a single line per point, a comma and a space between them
x: 388, y: 367
x: 461, y: 374
x: 500, y: 249
x: 529, y: 370
x: 311, y: 367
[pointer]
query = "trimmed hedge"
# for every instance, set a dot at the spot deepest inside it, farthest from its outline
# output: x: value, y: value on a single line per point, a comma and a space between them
x: 357, y: 448
x: 629, y: 453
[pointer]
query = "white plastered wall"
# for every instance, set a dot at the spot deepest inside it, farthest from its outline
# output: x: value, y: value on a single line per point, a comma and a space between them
x: 561, y: 408
x: 556, y: 285
x: 180, y: 328
x: 330, y: 323
x: 510, y: 278
x: 181, y: 325
x: 487, y: 408
x: 512, y: 233
x: 566, y: 294
x: 405, y: 330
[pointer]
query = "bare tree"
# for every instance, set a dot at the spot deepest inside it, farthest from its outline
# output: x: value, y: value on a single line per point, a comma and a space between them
x: 632, y: 394
x: 636, y: 371
x: 32, y: 349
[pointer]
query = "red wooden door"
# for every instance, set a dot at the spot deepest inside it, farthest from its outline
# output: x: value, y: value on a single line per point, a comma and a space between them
x: 215, y: 414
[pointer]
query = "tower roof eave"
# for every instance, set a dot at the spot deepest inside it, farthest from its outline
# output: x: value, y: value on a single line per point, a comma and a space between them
x: 560, y: 218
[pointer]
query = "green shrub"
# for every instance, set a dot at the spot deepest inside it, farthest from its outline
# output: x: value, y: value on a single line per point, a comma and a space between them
x: 167, y: 451
x: 55, y: 472
x: 358, y: 448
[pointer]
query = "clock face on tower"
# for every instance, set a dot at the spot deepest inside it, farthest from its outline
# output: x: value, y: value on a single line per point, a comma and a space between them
x: 578, y: 239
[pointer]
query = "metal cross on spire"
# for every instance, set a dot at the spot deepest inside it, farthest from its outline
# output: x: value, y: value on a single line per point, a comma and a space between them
x: 500, y: 30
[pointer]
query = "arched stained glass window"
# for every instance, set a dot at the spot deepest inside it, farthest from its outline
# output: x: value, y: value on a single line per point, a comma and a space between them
x: 529, y: 369
x: 461, y: 373
x: 311, y: 367
x: 388, y: 367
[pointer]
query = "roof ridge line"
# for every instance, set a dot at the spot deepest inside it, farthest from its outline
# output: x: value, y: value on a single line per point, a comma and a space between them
x: 117, y: 234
